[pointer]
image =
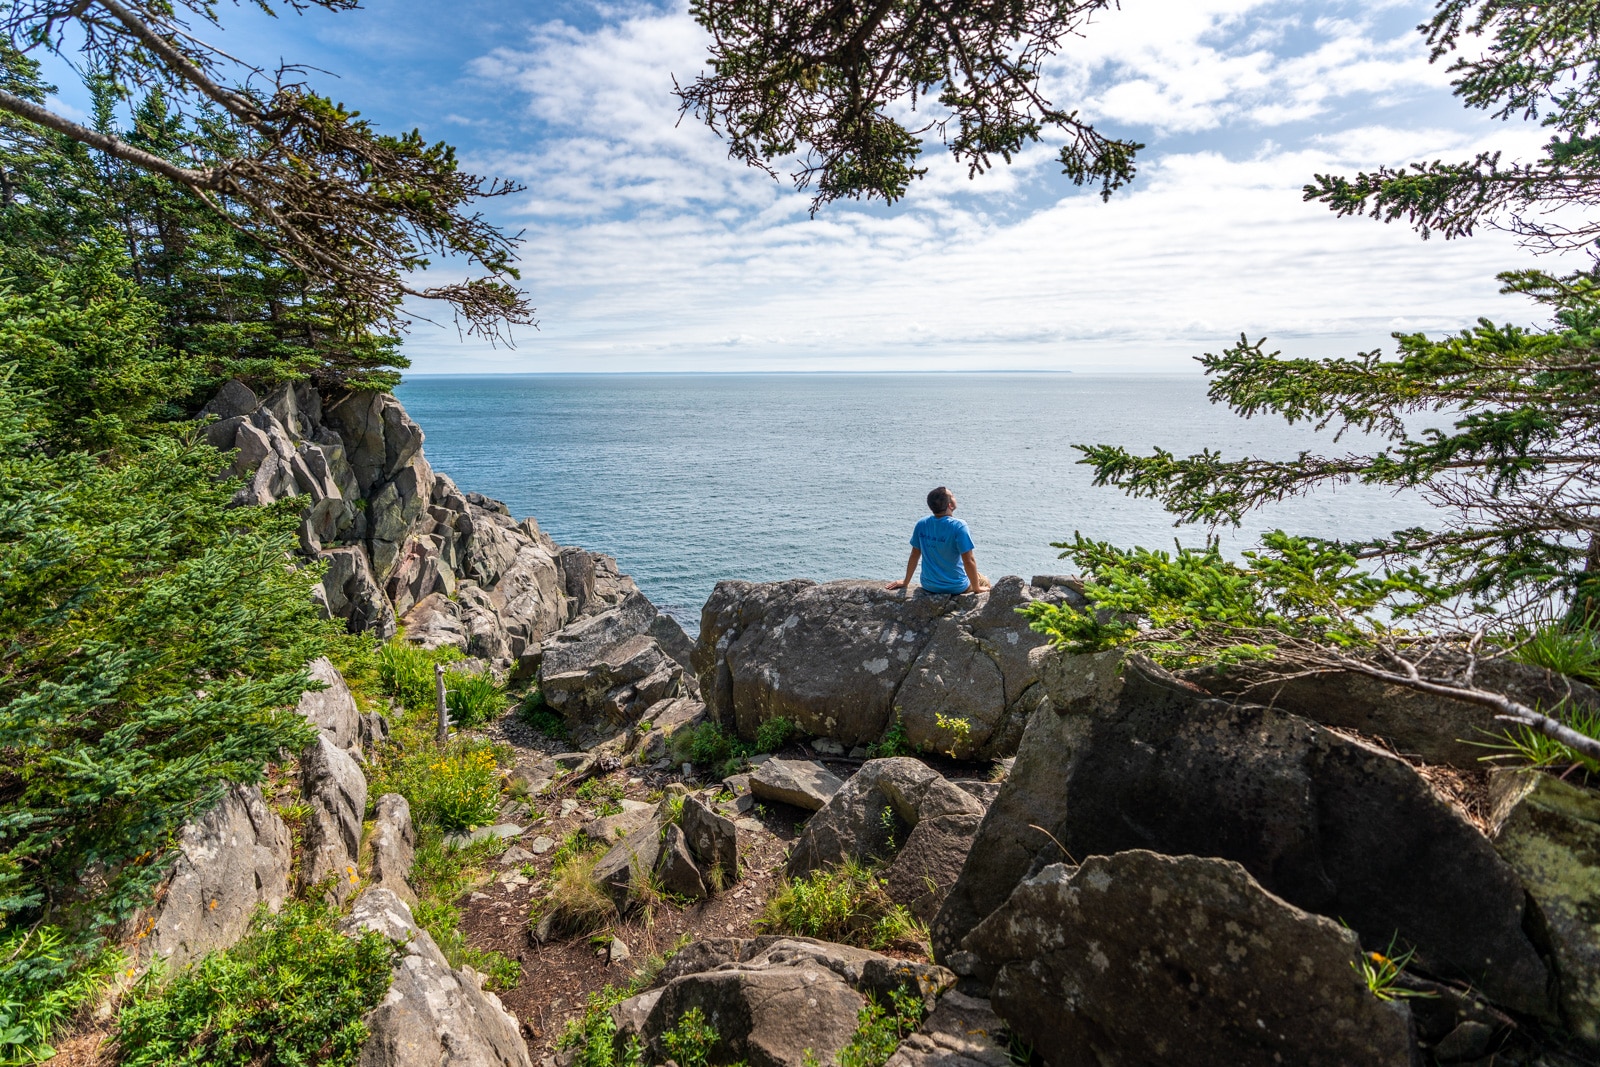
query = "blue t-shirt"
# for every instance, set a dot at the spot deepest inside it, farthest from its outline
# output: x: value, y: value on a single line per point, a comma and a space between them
x: 942, y: 540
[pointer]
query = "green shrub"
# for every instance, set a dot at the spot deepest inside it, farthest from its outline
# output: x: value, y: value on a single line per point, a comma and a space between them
x: 848, y: 904
x: 463, y: 788
x: 473, y: 697
x: 294, y: 992
x: 691, y: 1039
x: 1556, y: 647
x: 441, y: 877
x: 775, y: 733
x: 42, y: 982
x: 879, y: 1030
x: 406, y: 672
x: 707, y: 745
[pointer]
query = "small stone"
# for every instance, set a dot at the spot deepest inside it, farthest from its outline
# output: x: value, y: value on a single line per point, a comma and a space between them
x: 760, y: 758
x: 619, y: 951
x: 737, y: 784
x: 512, y: 878
x: 859, y: 752
x: 743, y: 803
x: 479, y: 896
x: 505, y: 831
x: 1468, y: 1041
x: 827, y: 746
x: 750, y: 826
x: 568, y: 806
x: 541, y: 845
x: 688, y: 770
x: 517, y: 855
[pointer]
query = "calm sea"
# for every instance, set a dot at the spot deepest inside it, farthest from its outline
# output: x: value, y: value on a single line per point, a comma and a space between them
x: 690, y: 478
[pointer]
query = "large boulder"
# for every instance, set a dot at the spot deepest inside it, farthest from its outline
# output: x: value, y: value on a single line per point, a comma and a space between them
x: 1549, y: 831
x: 800, y: 783
x: 1132, y: 758
x: 335, y: 791
x: 230, y: 861
x: 875, y: 812
x: 433, y: 1013
x: 1142, y: 958
x: 841, y: 659
x: 929, y: 862
x: 773, y: 1001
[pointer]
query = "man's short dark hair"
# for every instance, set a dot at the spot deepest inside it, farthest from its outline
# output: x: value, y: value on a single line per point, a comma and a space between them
x: 939, y: 500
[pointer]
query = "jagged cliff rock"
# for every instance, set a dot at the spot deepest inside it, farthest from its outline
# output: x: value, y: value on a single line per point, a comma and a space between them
x: 842, y: 659
x: 403, y: 545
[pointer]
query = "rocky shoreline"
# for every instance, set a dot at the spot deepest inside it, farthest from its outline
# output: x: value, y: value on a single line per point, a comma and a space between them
x: 1175, y: 869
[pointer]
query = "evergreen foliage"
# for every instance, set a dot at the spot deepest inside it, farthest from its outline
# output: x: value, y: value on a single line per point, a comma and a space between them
x: 831, y: 84
x: 291, y: 994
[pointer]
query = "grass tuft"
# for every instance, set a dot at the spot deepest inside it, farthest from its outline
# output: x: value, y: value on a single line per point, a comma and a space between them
x: 848, y: 904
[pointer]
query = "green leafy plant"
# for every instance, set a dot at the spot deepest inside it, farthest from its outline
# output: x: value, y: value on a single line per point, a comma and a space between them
x: 441, y: 877
x: 958, y: 731
x: 774, y: 733
x: 473, y: 697
x: 44, y: 979
x: 1381, y: 972
x: 600, y: 789
x: 1556, y: 646
x: 463, y: 788
x: 880, y: 1029
x: 894, y: 741
x: 707, y: 745
x: 1521, y: 744
x: 691, y: 1039
x: 406, y: 671
x: 848, y: 904
x: 295, y: 991
x: 538, y: 715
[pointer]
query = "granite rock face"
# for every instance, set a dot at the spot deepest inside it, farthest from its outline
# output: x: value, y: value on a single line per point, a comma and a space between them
x: 433, y: 1014
x: 875, y: 812
x: 332, y: 710
x: 1140, y: 958
x: 1549, y: 831
x: 841, y: 659
x: 402, y: 544
x: 1127, y: 759
x: 394, y: 846
x: 336, y: 791
x: 230, y: 860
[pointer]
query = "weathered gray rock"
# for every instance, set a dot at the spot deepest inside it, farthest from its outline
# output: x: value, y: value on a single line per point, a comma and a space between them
x: 1432, y: 728
x: 772, y: 1000
x: 623, y: 869
x: 713, y: 840
x: 803, y: 783
x: 350, y: 592
x: 433, y: 1014
x: 1141, y: 958
x: 677, y: 870
x: 231, y: 860
x: 875, y: 812
x: 1136, y: 759
x: 604, y: 672
x: 930, y: 861
x: 332, y: 710
x: 663, y: 719
x: 394, y: 846
x: 500, y: 831
x: 609, y: 829
x: 962, y: 1031
x: 840, y: 657
x: 336, y: 791
x: 1549, y: 831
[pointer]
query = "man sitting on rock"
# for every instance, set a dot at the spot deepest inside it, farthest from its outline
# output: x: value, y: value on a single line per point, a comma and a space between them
x: 944, y: 546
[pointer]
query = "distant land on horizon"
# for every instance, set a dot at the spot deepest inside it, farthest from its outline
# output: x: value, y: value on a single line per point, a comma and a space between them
x: 772, y: 373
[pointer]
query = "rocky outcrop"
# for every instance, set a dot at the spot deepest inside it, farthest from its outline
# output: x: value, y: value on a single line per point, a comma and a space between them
x: 842, y: 659
x: 1549, y: 831
x: 1143, y: 958
x: 875, y: 812
x: 773, y: 1001
x: 929, y: 862
x: 433, y: 1014
x: 231, y: 861
x: 401, y: 543
x: 332, y: 709
x: 607, y: 671
x: 394, y: 846
x: 1128, y: 759
x: 335, y: 790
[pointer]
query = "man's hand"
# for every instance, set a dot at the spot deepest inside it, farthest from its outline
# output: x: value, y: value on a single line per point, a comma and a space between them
x: 892, y: 586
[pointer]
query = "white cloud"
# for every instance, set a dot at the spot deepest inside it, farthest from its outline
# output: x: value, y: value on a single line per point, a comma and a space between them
x: 647, y: 247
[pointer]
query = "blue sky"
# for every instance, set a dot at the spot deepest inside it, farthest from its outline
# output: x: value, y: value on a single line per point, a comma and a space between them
x: 647, y: 249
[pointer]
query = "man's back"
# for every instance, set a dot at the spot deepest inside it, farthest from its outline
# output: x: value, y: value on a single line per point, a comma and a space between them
x: 942, y: 540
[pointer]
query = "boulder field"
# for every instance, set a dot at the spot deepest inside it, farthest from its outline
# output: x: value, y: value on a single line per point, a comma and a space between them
x: 1206, y: 869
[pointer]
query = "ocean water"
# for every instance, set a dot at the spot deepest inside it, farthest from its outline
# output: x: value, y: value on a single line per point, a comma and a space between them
x: 692, y: 478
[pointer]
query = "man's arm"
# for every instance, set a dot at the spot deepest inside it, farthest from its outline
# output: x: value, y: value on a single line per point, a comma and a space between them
x: 977, y: 583
x: 911, y: 568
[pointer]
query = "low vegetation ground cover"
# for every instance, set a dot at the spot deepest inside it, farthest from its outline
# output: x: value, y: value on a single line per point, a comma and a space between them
x: 849, y: 904
x: 293, y: 992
